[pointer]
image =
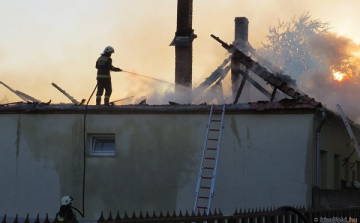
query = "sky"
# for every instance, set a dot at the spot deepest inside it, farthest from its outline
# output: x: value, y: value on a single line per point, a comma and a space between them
x: 44, y: 42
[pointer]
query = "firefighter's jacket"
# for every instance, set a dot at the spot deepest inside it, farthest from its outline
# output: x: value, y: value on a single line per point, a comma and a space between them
x: 104, y: 66
x: 65, y: 213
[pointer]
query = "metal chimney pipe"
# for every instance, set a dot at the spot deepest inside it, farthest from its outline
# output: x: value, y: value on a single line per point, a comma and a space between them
x: 241, y: 38
x: 241, y: 28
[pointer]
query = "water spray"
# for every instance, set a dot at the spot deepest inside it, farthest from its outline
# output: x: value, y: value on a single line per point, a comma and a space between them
x: 122, y: 99
x: 147, y: 77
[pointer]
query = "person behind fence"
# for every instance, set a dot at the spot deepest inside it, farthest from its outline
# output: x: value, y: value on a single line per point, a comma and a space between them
x: 66, y: 210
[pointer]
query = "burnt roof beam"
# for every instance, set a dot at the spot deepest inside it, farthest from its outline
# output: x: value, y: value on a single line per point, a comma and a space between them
x: 265, y: 74
x: 246, y: 76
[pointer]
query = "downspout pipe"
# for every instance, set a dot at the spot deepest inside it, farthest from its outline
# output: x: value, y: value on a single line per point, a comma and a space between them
x: 317, y: 147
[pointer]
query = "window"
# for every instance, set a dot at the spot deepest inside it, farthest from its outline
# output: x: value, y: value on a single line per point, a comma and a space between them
x: 323, y: 170
x: 102, y: 145
x: 353, y: 175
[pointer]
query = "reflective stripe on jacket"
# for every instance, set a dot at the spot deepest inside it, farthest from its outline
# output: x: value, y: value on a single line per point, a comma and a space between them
x: 103, y: 76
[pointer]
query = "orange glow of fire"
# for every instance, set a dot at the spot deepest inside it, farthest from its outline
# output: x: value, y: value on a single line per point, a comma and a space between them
x: 338, y: 76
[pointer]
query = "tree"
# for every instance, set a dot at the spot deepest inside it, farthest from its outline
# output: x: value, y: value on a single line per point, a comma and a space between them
x: 288, y: 44
x: 307, y: 51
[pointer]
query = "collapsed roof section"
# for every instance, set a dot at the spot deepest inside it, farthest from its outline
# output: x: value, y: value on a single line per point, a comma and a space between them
x: 72, y: 99
x: 278, y: 81
x: 21, y: 95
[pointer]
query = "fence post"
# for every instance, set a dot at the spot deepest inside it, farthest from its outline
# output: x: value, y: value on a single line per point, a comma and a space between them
x: 101, y: 218
x: 47, y: 218
x: 316, y: 197
x: 4, y: 219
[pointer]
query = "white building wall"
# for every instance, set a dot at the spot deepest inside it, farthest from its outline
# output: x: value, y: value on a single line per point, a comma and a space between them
x: 37, y: 159
x: 264, y: 161
x: 266, y: 155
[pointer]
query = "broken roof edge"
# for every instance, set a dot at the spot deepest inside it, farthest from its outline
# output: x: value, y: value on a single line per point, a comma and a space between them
x: 335, y: 115
x: 266, y: 75
x: 251, y: 107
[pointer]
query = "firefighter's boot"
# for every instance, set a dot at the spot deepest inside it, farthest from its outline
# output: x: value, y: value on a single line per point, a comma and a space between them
x: 106, y: 101
x: 98, y: 100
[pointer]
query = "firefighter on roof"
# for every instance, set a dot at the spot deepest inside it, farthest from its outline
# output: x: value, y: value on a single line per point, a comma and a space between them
x: 104, y: 66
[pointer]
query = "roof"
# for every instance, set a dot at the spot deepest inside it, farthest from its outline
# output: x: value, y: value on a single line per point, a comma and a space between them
x: 278, y: 81
x: 283, y: 106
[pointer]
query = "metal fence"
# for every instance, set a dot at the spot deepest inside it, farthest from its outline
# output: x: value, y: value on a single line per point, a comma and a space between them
x: 284, y: 214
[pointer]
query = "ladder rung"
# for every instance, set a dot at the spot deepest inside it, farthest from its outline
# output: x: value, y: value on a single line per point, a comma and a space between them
x: 214, y: 130
x: 216, y: 120
x: 209, y: 168
x: 211, y: 148
x: 203, y: 197
x: 205, y: 187
x: 207, y: 178
x: 214, y: 139
x: 210, y: 158
x: 201, y: 207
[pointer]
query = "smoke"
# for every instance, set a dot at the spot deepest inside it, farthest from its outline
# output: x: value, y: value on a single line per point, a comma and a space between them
x: 340, y: 54
x: 4, y: 100
x: 154, y: 91
x: 158, y: 92
x: 61, y: 44
x: 49, y: 42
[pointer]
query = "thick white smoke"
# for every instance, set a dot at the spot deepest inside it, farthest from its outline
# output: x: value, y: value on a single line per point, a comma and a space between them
x: 337, y: 54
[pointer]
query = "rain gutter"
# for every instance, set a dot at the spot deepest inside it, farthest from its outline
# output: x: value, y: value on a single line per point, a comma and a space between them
x: 317, y: 146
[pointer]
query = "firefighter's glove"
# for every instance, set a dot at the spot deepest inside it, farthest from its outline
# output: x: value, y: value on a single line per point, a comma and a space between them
x: 117, y: 69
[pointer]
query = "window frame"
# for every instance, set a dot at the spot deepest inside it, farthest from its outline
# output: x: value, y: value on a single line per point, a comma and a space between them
x: 92, y: 142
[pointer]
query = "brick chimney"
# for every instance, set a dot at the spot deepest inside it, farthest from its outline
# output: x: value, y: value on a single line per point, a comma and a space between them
x: 183, y: 46
x: 241, y: 37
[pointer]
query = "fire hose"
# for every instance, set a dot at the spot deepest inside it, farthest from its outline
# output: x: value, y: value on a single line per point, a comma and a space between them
x: 147, y: 77
x: 296, y: 211
x: 84, y: 135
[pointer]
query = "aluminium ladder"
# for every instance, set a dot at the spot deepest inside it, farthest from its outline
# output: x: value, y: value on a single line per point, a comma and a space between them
x: 347, y: 125
x: 207, y: 173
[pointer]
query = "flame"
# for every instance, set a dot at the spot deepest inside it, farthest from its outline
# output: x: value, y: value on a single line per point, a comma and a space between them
x: 338, y: 76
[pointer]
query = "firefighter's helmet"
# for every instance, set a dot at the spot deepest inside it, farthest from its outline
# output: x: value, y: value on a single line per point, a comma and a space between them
x: 66, y: 200
x: 109, y: 49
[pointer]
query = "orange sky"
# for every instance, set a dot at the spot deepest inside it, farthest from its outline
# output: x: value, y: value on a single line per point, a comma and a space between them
x: 59, y: 41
